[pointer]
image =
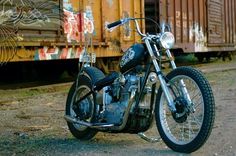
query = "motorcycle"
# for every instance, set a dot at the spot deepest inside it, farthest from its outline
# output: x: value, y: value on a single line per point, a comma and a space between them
x: 181, y: 102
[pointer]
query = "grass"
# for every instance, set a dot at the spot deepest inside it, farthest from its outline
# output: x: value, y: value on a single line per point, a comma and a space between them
x: 30, y: 92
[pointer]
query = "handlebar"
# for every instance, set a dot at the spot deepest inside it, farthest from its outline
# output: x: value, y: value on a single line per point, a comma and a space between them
x: 162, y: 29
x: 119, y: 22
x: 123, y: 21
x: 114, y: 24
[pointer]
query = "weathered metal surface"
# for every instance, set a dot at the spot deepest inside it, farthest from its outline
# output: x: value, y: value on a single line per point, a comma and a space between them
x: 56, y: 29
x: 60, y: 29
x: 199, y: 25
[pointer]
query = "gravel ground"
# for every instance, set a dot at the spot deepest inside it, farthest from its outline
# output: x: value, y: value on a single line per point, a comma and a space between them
x: 32, y: 123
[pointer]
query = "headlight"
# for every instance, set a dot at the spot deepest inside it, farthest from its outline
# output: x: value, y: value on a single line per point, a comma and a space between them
x: 167, y: 40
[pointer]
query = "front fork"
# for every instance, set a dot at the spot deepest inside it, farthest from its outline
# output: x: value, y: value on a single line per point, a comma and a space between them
x: 182, y: 84
x: 169, y: 98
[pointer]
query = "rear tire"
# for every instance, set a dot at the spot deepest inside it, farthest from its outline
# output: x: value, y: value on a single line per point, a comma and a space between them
x: 191, y: 132
x: 88, y: 106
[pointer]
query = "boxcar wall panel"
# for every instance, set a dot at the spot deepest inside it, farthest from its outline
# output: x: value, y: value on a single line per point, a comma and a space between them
x: 94, y: 10
x: 230, y: 25
x: 27, y: 23
x: 102, y: 12
x: 216, y: 20
x: 114, y: 10
x: 198, y: 25
x: 39, y: 22
x: 187, y: 20
x: 110, y: 12
x: 221, y: 24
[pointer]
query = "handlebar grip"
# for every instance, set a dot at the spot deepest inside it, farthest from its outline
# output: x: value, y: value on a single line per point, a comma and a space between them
x: 116, y: 23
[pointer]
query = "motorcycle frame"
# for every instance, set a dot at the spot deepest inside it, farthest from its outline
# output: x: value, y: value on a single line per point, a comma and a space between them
x: 147, y: 39
x: 170, y: 101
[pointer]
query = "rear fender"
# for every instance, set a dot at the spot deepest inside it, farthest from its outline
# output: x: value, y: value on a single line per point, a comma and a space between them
x: 93, y: 73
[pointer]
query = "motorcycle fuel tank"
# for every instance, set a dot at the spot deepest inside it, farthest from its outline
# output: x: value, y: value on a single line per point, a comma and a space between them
x: 132, y: 57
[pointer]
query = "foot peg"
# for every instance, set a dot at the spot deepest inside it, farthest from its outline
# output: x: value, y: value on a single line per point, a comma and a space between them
x: 149, y: 139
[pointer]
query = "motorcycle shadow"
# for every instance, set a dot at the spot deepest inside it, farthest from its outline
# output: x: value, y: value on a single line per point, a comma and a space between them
x: 102, y: 145
x: 121, y: 146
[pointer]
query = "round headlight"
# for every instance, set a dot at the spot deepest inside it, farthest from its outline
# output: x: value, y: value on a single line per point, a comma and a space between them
x: 167, y: 40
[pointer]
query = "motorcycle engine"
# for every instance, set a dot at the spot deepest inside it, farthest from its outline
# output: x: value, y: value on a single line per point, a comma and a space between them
x: 116, y: 98
x: 115, y: 101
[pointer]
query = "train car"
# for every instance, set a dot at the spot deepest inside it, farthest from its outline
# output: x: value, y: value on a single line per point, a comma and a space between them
x: 203, y: 27
x: 61, y: 30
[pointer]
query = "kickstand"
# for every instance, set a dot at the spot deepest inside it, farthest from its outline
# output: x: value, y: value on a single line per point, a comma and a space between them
x: 149, y: 139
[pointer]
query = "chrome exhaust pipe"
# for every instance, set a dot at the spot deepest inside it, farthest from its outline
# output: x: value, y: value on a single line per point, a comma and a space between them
x: 87, y: 124
x: 76, y: 121
x: 105, y: 125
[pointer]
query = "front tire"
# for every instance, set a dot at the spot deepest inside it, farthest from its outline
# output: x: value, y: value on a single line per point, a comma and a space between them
x: 189, y: 133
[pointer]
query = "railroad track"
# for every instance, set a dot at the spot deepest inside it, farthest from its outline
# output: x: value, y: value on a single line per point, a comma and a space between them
x: 28, y: 82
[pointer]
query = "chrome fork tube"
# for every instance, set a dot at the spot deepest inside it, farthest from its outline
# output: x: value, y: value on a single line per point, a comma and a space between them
x: 172, y: 62
x: 161, y: 79
x: 182, y: 84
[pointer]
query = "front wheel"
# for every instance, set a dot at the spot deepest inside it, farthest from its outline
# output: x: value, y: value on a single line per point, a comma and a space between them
x: 190, y: 128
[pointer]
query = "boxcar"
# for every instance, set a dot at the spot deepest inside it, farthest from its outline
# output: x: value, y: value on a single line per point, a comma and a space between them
x: 202, y: 27
x: 45, y: 30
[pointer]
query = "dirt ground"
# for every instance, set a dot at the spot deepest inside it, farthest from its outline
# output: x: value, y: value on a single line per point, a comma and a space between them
x: 32, y: 123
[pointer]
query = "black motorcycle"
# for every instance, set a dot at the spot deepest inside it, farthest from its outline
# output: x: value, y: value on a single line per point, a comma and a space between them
x: 128, y: 101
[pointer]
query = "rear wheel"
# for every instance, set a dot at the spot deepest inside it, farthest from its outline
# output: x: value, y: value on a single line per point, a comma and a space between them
x: 189, y: 129
x: 86, y: 109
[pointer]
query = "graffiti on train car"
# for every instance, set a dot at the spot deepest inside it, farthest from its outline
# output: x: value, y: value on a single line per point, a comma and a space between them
x: 37, y: 14
x: 196, y: 34
x: 76, y: 25
x: 73, y: 26
x: 47, y: 53
x: 18, y: 13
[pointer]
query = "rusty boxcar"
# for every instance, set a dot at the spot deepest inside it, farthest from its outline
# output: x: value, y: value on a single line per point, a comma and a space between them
x: 202, y: 27
x: 40, y: 30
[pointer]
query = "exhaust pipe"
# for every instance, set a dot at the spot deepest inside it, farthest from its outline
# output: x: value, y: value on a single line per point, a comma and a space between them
x: 105, y: 125
x: 87, y: 124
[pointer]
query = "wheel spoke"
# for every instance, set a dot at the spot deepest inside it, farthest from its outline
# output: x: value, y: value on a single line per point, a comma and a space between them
x: 184, y: 132
x: 196, y: 120
x: 189, y: 132
x: 196, y: 95
x: 173, y: 127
